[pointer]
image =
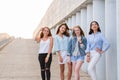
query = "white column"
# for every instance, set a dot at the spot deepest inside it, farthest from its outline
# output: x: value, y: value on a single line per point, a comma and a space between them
x: 73, y: 20
x: 99, y: 13
x: 51, y: 31
x: 84, y: 26
x: 78, y: 18
x: 99, y: 16
x: 56, y: 27
x: 66, y: 21
x: 110, y: 26
x: 84, y: 20
x: 118, y: 37
x: 89, y: 19
x: 89, y: 16
x: 54, y: 32
x: 69, y: 22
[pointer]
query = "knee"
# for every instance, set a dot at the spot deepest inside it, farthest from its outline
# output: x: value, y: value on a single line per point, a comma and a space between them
x: 47, y: 69
x: 70, y: 69
x: 76, y: 70
x: 42, y: 70
x: 62, y: 71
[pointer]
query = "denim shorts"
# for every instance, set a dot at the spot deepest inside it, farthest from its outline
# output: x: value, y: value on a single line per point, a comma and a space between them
x: 77, y: 58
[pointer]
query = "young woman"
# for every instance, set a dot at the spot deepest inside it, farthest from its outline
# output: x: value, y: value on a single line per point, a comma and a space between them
x: 61, y: 42
x: 45, y: 55
x: 76, y: 47
x: 95, y: 48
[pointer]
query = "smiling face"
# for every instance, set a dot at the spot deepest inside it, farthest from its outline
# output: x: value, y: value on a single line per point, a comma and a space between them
x: 77, y: 31
x: 45, y: 31
x: 94, y: 26
x: 62, y: 29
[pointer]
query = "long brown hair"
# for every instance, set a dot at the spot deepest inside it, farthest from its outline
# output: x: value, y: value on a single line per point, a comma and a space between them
x: 41, y: 34
x: 66, y: 33
x: 81, y: 31
x: 91, y: 31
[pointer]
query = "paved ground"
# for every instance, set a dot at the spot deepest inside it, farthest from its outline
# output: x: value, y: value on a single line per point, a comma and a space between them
x: 18, y: 61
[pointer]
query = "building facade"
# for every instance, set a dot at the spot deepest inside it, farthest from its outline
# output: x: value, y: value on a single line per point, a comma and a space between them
x: 82, y: 12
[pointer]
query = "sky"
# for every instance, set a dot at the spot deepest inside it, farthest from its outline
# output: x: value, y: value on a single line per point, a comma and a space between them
x: 20, y: 18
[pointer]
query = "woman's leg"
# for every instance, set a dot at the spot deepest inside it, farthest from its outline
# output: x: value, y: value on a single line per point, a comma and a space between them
x: 48, y: 65
x: 91, y: 66
x: 77, y: 69
x: 74, y: 64
x: 62, y: 66
x: 69, y: 70
x: 41, y: 59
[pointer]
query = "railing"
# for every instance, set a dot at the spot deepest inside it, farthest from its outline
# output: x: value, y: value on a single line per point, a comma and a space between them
x: 4, y: 42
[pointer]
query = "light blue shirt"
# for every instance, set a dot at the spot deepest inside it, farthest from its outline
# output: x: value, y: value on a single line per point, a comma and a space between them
x: 97, y: 41
x: 60, y: 43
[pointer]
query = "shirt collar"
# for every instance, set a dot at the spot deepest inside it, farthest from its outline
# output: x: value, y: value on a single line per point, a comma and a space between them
x: 96, y: 33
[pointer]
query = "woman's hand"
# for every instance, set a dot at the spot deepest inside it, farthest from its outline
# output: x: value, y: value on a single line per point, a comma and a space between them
x: 99, y: 51
x: 47, y: 58
x: 88, y: 57
x: 60, y: 59
x: 68, y: 58
x: 79, y: 39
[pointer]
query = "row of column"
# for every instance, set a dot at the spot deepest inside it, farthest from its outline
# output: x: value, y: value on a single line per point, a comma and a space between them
x: 118, y: 37
x: 104, y: 12
x: 110, y: 33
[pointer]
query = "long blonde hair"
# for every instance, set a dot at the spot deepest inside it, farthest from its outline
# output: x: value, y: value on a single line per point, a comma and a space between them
x: 81, y: 31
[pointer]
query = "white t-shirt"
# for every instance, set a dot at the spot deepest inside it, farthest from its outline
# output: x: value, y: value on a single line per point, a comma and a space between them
x: 44, y: 46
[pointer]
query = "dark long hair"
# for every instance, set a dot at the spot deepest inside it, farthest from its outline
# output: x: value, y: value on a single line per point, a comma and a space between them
x: 91, y: 31
x: 81, y: 31
x: 66, y: 33
x: 41, y: 34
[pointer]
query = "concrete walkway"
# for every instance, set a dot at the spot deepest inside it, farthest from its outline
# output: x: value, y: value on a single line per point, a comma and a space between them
x: 18, y: 61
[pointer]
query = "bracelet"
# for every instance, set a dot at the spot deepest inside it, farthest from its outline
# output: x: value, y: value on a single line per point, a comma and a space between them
x: 68, y: 55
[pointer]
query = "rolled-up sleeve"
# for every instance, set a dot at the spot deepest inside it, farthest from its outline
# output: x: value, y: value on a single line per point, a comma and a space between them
x: 106, y: 44
x: 69, y: 47
x: 56, y: 44
x: 84, y: 44
x: 88, y: 46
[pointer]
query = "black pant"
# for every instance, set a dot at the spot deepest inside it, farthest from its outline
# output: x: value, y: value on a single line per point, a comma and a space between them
x: 45, y: 67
